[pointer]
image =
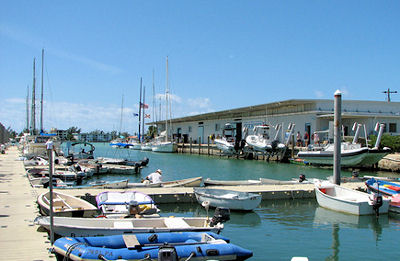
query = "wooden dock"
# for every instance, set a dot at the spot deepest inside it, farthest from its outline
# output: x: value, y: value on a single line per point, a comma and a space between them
x: 19, y: 208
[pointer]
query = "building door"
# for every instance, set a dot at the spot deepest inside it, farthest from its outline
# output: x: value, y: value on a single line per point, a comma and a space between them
x: 200, y: 132
x: 239, y: 131
x: 308, y: 130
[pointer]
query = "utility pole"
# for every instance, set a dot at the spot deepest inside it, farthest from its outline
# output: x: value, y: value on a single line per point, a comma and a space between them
x: 388, y: 92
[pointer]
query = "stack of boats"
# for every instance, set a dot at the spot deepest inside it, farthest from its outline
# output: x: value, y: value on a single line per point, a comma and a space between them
x: 140, y: 235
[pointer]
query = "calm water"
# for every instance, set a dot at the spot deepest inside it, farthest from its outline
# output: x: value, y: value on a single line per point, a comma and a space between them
x: 277, y: 229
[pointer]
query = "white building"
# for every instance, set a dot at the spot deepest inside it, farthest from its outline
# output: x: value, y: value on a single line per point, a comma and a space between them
x: 307, y: 115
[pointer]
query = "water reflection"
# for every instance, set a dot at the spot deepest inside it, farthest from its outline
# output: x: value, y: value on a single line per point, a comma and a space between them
x: 325, y: 218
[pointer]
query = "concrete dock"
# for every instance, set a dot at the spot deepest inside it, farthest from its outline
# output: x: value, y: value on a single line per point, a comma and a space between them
x: 19, y: 239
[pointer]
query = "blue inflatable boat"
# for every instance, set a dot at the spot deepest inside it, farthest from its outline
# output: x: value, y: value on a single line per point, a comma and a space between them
x: 150, y: 246
x: 385, y: 187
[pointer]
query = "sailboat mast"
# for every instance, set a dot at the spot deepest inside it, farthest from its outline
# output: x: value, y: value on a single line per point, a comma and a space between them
x: 140, y: 107
x: 33, y: 111
x: 166, y: 104
x: 27, y: 108
x: 143, y: 112
x: 154, y: 103
x: 41, y: 97
x: 122, y: 110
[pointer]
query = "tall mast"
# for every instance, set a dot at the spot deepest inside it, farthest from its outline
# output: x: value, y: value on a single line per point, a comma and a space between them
x: 122, y: 109
x: 41, y: 97
x: 166, y: 104
x: 140, y: 107
x: 143, y: 111
x: 33, y: 110
x: 154, y: 103
x: 27, y: 108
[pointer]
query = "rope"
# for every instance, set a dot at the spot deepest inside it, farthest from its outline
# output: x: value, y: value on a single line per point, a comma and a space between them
x: 70, y: 249
x: 190, y: 257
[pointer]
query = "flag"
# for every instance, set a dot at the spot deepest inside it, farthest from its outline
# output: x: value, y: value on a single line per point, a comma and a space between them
x: 147, y: 116
x: 135, y: 114
x: 144, y: 105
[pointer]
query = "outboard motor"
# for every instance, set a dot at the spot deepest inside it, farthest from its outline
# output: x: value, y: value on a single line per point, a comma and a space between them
x: 274, y: 144
x: 167, y: 253
x: 133, y: 208
x: 302, y: 178
x: 377, y: 202
x: 144, y: 162
x: 221, y: 215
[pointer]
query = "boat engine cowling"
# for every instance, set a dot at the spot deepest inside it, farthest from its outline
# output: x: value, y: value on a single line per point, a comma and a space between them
x: 377, y: 202
x: 221, y: 215
x: 167, y: 253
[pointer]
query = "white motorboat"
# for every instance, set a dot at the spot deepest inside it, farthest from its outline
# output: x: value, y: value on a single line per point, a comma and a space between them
x: 227, y: 142
x: 66, y: 205
x: 352, y: 155
x: 350, y: 201
x: 263, y: 141
x: 148, y: 146
x: 120, y: 204
x: 231, y: 199
x: 166, y: 146
x: 64, y: 226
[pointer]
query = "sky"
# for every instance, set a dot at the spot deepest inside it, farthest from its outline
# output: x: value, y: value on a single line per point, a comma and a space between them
x: 221, y: 55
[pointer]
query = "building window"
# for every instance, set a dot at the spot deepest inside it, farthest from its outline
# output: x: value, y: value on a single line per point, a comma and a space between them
x: 392, y: 127
x: 190, y: 129
x: 217, y: 127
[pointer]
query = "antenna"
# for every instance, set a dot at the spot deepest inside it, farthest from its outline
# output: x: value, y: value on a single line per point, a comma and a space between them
x: 388, y: 92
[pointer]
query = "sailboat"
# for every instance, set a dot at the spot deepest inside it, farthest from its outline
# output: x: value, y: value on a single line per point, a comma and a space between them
x: 35, y: 144
x: 161, y: 143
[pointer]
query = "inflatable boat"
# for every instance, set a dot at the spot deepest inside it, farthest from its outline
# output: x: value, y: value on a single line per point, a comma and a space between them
x: 150, y: 246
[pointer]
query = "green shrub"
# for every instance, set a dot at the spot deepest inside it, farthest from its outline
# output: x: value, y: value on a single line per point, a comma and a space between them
x: 387, y: 140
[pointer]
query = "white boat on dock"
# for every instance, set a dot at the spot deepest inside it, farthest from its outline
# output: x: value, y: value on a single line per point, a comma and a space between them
x: 350, y: 201
x: 80, y: 227
x: 231, y: 199
x: 66, y: 205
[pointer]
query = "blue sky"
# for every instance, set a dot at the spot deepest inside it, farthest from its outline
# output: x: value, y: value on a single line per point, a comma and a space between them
x: 222, y: 55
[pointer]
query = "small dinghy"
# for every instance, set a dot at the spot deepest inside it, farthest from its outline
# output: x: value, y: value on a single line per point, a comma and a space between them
x: 155, y: 246
x: 231, y: 199
x: 121, y: 204
x: 66, y: 205
x: 350, y: 201
x: 79, y: 227
x: 213, y: 182
x: 191, y: 182
x: 101, y: 184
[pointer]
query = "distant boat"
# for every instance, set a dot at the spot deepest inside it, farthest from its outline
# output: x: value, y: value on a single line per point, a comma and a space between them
x: 66, y: 205
x: 101, y: 184
x: 350, y: 201
x: 227, y: 143
x: 231, y: 199
x: 78, y: 227
x: 162, y: 143
x: 150, y: 246
x: 263, y: 141
x: 212, y: 182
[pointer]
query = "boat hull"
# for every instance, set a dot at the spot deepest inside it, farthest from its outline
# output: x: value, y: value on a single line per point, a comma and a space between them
x: 191, y: 182
x: 167, y: 147
x: 348, y: 158
x: 346, y: 200
x: 82, y: 227
x: 116, y: 247
x: 233, y: 200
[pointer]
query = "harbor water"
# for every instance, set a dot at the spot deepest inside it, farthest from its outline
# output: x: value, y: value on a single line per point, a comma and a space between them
x: 277, y: 229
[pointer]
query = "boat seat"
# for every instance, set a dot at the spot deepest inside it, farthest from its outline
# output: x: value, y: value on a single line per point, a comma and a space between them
x: 176, y: 223
x: 130, y: 241
x: 123, y: 225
